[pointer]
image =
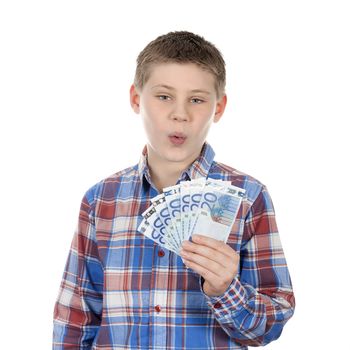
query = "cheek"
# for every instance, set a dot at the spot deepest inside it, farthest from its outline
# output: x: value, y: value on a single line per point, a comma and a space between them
x: 153, y: 112
x: 149, y: 126
x: 152, y: 123
x: 206, y: 112
x: 153, y: 106
x: 204, y: 123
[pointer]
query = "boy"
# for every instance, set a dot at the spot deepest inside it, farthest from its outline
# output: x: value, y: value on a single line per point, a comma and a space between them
x: 121, y: 290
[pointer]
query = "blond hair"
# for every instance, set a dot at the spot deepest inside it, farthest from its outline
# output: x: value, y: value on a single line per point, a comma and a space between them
x: 181, y: 47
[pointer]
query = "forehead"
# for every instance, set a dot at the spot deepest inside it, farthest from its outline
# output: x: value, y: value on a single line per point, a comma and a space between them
x: 181, y: 76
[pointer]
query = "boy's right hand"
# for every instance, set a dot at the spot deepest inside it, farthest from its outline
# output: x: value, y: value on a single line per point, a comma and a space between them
x: 214, y: 260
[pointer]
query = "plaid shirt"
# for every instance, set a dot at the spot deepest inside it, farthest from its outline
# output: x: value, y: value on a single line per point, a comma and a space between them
x: 122, y: 291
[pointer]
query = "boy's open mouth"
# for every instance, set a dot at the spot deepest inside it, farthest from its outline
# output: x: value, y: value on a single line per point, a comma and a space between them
x: 177, y: 138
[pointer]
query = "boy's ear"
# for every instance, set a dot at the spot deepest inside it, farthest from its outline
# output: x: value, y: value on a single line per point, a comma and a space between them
x: 134, y: 99
x: 220, y: 108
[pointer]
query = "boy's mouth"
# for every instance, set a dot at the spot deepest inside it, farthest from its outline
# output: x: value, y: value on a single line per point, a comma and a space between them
x: 177, y: 138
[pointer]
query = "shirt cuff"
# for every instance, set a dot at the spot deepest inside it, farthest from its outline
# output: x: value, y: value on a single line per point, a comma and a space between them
x: 230, y: 302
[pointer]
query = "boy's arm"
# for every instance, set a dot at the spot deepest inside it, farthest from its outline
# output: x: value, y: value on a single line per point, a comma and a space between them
x: 255, y: 306
x: 77, y: 313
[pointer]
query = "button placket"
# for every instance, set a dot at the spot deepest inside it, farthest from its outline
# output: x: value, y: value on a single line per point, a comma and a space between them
x: 158, y: 296
x: 217, y: 305
x: 161, y: 253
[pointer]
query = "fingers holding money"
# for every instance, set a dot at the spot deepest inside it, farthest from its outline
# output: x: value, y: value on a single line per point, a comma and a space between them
x: 201, y: 256
x: 211, y: 248
x: 215, y: 245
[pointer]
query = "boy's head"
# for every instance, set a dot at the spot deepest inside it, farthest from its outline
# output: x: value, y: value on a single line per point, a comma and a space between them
x: 181, y: 47
x: 179, y: 91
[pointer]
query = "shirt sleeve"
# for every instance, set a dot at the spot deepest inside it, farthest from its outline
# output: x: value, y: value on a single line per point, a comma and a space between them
x: 260, y: 300
x: 77, y: 313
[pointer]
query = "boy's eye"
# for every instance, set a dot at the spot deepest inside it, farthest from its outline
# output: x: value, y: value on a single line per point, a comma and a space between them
x: 163, y: 97
x: 196, y: 100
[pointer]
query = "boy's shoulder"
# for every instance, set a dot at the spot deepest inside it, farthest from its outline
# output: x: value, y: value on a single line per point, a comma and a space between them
x: 122, y: 181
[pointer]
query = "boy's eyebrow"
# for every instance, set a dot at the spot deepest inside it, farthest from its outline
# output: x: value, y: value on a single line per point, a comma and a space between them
x: 171, y: 88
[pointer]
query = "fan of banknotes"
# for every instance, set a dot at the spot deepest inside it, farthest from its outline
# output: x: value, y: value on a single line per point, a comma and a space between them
x: 205, y: 206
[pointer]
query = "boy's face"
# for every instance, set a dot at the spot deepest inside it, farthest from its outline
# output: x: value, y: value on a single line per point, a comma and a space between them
x: 178, y: 104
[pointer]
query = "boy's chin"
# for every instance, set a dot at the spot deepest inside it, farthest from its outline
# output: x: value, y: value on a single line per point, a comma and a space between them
x: 183, y: 155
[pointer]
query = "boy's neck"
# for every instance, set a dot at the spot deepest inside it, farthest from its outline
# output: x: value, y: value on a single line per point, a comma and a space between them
x: 164, y: 179
x: 165, y: 174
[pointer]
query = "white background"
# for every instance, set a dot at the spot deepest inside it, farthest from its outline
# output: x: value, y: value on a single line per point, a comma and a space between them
x: 66, y: 123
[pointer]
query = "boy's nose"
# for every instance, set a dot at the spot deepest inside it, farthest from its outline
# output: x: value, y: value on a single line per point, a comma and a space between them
x: 179, y: 114
x: 180, y: 118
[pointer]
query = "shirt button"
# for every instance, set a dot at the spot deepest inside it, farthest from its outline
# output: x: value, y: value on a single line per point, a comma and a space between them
x: 161, y: 253
x: 217, y: 305
x: 158, y: 308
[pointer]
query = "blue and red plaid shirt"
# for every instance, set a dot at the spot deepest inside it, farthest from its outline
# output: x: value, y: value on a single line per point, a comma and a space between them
x: 122, y: 291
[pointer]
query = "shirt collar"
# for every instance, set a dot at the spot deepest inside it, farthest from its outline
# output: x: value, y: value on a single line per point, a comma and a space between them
x: 199, y: 168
